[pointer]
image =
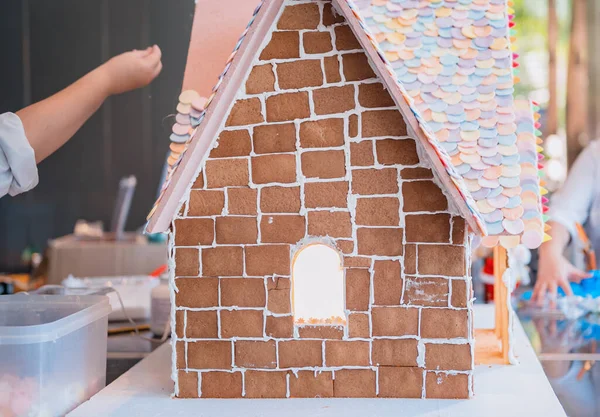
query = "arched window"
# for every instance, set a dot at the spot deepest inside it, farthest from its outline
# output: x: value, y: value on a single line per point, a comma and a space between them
x: 318, y: 286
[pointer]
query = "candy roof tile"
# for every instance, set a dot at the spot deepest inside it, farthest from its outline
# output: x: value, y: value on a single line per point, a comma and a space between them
x: 531, y: 209
x: 454, y: 58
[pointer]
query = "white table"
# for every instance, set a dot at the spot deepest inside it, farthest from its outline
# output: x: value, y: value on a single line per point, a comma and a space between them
x: 502, y: 391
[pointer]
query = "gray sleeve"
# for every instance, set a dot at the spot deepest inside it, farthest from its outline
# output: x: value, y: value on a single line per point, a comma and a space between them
x: 18, y: 170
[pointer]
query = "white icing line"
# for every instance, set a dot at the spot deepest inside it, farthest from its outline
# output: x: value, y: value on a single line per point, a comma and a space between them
x: 225, y: 211
x: 452, y: 341
x: 274, y: 69
x: 451, y: 230
x: 421, y: 354
x: 172, y: 291
x: 233, y: 354
x: 219, y: 331
x: 200, y: 384
x: 243, y: 371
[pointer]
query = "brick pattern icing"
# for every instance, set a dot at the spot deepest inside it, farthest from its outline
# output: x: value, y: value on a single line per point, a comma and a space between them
x: 315, y: 150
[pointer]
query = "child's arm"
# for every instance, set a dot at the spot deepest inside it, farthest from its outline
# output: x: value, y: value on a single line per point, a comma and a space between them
x: 51, y: 122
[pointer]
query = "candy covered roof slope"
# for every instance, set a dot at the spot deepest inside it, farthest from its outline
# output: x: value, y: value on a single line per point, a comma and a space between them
x: 455, y: 60
x: 195, y: 150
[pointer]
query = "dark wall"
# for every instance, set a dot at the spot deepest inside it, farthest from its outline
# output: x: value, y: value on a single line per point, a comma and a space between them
x: 48, y: 44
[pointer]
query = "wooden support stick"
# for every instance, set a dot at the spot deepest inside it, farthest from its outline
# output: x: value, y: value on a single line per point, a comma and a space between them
x: 501, y: 296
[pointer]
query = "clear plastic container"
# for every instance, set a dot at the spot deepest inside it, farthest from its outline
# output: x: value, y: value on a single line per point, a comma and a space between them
x: 160, y: 307
x: 52, y: 352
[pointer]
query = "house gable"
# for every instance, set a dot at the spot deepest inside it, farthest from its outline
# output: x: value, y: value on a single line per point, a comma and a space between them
x: 188, y: 159
x: 314, y: 149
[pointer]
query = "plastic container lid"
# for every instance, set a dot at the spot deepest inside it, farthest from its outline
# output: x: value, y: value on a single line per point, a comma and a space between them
x: 26, y: 319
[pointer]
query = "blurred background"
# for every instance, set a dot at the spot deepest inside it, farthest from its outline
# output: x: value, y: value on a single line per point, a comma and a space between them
x: 557, y: 41
x: 47, y: 45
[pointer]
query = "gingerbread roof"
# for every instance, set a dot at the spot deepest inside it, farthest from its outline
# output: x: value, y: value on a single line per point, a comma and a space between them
x: 455, y: 60
x: 199, y: 136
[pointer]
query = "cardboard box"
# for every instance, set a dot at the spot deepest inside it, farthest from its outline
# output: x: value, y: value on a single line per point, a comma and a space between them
x: 103, y: 258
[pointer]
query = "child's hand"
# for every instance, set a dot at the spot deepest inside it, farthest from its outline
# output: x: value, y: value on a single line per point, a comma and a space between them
x: 132, y: 70
x: 555, y: 271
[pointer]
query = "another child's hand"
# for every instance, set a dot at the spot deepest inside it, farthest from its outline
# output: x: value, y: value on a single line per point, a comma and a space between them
x: 555, y: 271
x: 132, y: 70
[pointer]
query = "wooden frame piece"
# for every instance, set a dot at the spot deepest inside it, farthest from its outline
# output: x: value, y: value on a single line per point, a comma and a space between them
x: 492, y: 346
x: 501, y: 299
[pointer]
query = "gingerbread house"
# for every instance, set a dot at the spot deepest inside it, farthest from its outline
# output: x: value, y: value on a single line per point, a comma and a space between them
x: 322, y: 203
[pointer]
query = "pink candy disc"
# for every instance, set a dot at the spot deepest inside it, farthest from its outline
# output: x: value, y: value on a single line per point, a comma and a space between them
x: 199, y: 103
x: 514, y: 227
x: 182, y: 119
x: 181, y: 129
x: 183, y: 108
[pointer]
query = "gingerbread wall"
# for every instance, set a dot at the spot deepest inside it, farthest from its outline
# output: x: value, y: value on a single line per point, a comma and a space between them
x: 315, y: 147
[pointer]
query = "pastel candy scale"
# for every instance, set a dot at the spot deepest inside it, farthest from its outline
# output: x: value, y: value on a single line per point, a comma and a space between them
x: 175, y: 138
x: 182, y: 119
x: 180, y: 129
x: 189, y: 112
x: 183, y: 108
x: 454, y: 58
x: 530, y: 182
x: 177, y: 147
x: 188, y: 96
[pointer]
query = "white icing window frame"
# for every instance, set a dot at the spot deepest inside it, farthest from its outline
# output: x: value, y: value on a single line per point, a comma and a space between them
x: 326, y: 306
